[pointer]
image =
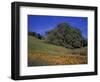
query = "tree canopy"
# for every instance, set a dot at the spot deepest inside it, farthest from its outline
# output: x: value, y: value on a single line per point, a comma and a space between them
x: 67, y: 36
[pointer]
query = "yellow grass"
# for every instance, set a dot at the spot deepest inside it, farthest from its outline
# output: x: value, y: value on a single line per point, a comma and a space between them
x: 57, y: 59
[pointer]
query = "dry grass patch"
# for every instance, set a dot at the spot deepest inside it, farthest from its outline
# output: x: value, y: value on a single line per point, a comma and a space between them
x: 46, y: 59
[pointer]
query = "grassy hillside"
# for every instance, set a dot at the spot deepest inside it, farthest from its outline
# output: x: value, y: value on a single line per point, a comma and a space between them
x: 41, y: 53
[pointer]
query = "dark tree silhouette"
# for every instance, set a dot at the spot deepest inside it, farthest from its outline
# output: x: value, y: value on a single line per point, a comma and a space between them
x: 37, y: 35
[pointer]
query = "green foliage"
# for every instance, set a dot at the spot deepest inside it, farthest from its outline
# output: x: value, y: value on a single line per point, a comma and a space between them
x: 37, y: 35
x: 65, y: 35
x: 84, y: 41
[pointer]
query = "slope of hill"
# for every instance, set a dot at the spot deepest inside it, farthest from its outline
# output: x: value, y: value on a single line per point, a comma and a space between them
x: 41, y: 53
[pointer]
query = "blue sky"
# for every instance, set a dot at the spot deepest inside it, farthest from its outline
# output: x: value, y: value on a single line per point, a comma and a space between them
x: 41, y: 24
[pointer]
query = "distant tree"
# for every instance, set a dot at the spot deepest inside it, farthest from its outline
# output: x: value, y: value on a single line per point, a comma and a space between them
x: 84, y: 41
x: 65, y: 35
x: 32, y: 33
x: 37, y: 35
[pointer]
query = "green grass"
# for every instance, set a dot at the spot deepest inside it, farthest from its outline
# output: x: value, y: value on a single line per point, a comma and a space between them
x: 36, y: 45
x: 81, y: 51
